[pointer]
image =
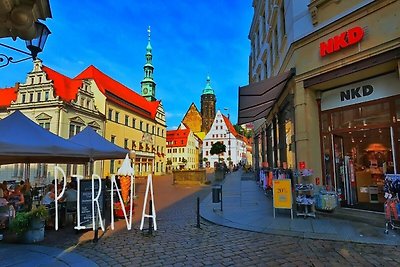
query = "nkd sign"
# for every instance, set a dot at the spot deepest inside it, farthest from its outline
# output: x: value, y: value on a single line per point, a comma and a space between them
x: 363, y: 91
x: 343, y: 40
x: 357, y: 92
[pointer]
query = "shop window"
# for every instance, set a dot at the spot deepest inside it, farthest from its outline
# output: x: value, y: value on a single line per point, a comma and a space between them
x: 361, y: 117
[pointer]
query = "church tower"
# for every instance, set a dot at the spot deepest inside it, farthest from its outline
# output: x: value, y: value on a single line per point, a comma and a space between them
x: 147, y: 84
x: 208, y: 101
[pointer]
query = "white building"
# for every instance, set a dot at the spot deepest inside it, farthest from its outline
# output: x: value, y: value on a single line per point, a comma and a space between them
x: 223, y: 131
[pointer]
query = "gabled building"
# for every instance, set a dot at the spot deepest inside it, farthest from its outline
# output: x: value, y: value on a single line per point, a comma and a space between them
x: 223, y: 131
x: 65, y: 106
x: 182, y: 150
x: 59, y: 104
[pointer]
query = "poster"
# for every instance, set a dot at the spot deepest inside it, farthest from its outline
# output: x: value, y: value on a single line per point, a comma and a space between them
x: 282, y: 190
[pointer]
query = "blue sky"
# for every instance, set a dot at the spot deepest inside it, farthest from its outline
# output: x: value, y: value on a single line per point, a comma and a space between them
x: 190, y: 40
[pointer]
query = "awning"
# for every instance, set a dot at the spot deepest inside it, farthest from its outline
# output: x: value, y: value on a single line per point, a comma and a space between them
x: 257, y: 99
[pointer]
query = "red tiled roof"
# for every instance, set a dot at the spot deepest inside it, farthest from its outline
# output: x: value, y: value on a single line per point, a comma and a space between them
x: 178, y: 138
x: 119, y: 93
x: 230, y: 126
x: 64, y: 87
x: 7, y: 95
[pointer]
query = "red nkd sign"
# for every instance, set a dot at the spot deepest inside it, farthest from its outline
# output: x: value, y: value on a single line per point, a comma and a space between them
x: 340, y: 41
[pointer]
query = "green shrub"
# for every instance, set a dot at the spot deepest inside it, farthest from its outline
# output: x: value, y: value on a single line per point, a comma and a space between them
x: 22, y: 220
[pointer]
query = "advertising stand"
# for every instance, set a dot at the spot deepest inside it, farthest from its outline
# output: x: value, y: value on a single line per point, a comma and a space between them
x: 282, y: 194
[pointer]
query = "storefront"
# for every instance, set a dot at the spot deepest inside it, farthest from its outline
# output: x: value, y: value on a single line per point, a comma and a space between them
x: 359, y: 125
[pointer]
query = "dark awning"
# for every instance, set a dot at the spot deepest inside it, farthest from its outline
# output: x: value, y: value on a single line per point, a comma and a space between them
x: 257, y: 99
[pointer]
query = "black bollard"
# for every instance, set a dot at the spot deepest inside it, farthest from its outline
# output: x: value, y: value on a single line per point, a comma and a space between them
x: 150, y: 217
x: 96, y: 230
x: 198, y: 212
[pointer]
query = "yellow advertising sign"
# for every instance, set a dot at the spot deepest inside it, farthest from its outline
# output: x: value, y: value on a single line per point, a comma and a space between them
x: 282, y: 189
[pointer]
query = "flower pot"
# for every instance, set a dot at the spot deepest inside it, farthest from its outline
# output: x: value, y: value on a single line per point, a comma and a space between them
x: 33, y: 236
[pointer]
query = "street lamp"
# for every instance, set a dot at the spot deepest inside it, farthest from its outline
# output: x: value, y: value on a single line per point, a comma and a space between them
x: 34, y: 45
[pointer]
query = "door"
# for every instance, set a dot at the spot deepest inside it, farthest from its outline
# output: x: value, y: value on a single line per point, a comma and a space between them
x: 343, y: 172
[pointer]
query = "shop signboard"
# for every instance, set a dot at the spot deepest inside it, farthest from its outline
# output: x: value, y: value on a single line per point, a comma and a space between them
x: 367, y: 90
x: 340, y: 41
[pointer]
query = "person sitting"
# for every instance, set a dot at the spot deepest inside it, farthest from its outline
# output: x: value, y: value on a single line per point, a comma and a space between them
x: 3, y: 200
x: 4, y: 187
x: 16, y: 198
x: 26, y: 191
x: 49, y: 198
x: 70, y: 194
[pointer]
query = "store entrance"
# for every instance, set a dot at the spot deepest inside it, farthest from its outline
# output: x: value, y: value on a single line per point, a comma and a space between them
x: 361, y: 160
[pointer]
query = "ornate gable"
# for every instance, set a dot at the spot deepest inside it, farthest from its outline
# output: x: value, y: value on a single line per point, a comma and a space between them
x: 193, y: 119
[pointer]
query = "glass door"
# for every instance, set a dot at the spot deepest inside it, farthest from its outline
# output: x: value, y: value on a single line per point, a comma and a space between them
x: 343, y: 172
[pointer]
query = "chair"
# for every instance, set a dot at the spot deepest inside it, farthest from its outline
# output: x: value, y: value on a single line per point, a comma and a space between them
x: 70, y: 210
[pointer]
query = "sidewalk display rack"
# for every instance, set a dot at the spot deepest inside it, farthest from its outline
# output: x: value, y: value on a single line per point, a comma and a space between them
x: 392, y: 203
x: 305, y: 200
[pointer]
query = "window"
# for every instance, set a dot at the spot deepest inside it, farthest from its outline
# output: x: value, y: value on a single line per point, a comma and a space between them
x: 110, y: 112
x: 141, y: 125
x: 283, y: 25
x: 74, y: 129
x: 126, y: 143
x: 153, y: 130
x: 133, y: 123
x: 46, y: 96
x: 112, y: 166
x: 147, y: 128
x: 162, y: 133
x: 31, y: 97
x: 206, y: 152
x: 45, y: 125
x: 39, y: 97
x: 158, y: 131
x: 117, y: 116
x: 23, y: 98
x: 126, y: 120
x: 112, y: 140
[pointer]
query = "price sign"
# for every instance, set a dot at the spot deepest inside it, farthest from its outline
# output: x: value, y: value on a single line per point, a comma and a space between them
x: 282, y: 194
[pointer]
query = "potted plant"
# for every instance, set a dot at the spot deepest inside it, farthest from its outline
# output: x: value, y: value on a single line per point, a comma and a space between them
x: 29, y: 226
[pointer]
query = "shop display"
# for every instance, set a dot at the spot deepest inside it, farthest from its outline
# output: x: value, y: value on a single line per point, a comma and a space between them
x: 392, y: 203
x: 326, y: 200
x: 305, y: 200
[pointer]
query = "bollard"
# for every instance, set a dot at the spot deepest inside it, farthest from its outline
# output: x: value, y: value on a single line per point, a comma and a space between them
x: 96, y: 230
x: 198, y: 212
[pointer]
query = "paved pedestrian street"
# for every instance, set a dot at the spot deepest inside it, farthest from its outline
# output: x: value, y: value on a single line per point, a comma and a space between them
x: 178, y: 242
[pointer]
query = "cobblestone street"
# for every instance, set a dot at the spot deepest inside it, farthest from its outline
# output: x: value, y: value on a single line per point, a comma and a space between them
x: 178, y: 242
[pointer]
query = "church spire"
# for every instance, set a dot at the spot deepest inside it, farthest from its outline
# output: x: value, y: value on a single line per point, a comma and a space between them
x: 208, y: 89
x: 148, y: 85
